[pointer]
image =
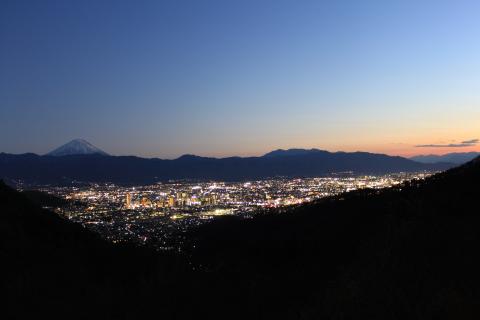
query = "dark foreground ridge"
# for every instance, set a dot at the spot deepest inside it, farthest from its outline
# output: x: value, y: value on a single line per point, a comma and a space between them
x: 56, y: 268
x: 409, y: 252
x: 96, y: 167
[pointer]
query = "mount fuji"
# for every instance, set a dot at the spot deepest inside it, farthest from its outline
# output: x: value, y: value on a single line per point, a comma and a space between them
x: 76, y: 147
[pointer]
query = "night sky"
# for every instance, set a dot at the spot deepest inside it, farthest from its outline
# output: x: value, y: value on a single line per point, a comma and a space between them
x: 221, y: 78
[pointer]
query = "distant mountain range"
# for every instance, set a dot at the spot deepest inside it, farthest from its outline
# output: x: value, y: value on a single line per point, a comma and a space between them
x: 455, y: 158
x: 92, y: 165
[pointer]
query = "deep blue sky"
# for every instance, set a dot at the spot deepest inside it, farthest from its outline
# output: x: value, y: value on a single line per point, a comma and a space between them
x: 164, y: 78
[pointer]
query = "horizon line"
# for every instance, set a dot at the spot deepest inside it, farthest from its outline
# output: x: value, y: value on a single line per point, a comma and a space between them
x: 259, y: 155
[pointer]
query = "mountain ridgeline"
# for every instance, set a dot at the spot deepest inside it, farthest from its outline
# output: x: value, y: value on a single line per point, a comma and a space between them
x: 406, y: 252
x: 457, y: 158
x: 129, y: 169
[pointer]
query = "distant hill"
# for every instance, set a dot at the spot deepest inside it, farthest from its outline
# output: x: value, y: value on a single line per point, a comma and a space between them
x: 456, y: 158
x: 294, y: 152
x: 123, y: 169
x: 76, y: 147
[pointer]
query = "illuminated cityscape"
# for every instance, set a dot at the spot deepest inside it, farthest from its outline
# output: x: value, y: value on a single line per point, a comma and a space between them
x: 159, y: 214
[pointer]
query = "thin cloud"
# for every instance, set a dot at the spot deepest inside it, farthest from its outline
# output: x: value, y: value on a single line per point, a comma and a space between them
x: 473, y: 141
x: 463, y: 144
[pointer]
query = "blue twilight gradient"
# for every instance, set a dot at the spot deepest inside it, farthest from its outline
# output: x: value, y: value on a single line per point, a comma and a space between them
x: 163, y: 78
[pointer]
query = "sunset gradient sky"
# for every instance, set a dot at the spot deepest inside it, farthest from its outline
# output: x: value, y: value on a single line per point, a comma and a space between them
x: 221, y: 78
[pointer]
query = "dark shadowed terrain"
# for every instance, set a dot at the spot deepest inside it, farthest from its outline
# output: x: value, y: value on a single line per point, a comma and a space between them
x: 409, y: 252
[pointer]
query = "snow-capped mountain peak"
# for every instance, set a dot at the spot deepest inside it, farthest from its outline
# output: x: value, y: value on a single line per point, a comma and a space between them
x: 75, y: 147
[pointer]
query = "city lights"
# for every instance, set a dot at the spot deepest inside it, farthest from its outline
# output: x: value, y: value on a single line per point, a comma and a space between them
x: 160, y: 214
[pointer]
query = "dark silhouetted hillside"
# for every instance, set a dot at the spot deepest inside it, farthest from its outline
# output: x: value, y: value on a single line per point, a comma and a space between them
x: 52, y: 267
x: 43, y: 199
x: 403, y: 253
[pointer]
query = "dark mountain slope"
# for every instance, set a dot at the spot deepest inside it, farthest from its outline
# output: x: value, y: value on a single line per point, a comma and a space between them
x: 297, y: 163
x: 52, y: 267
x: 405, y: 253
x: 43, y: 199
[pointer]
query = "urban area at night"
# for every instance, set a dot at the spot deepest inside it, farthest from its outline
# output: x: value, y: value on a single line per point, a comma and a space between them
x: 158, y: 215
